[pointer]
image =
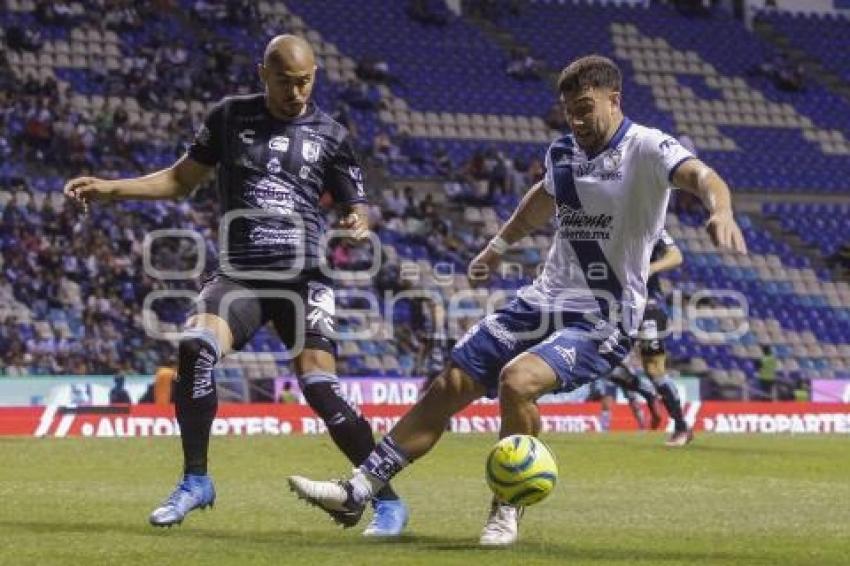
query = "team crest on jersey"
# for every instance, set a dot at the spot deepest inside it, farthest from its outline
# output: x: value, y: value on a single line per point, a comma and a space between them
x: 310, y: 150
x: 304, y: 172
x: 611, y: 160
x: 279, y: 143
x: 273, y: 165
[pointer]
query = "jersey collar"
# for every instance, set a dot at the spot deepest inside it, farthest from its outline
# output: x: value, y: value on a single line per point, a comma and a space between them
x: 615, y: 139
x: 308, y: 113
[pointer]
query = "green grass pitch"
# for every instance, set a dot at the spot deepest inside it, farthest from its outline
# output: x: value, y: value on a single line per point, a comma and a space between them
x: 621, y: 499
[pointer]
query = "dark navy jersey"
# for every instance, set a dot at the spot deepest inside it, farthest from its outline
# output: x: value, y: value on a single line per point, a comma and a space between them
x: 271, y: 175
x: 653, y: 285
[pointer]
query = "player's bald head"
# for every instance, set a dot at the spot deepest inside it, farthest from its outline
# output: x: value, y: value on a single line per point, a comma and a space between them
x: 290, y: 54
x: 288, y: 71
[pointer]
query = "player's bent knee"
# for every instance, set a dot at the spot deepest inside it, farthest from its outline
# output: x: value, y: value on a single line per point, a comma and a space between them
x: 453, y: 387
x: 525, y: 379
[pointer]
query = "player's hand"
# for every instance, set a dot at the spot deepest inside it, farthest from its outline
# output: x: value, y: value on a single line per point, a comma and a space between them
x: 482, y: 266
x: 358, y: 224
x: 85, y: 190
x: 725, y: 233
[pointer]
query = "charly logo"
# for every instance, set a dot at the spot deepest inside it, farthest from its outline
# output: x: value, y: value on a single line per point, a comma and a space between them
x: 247, y: 136
x: 279, y: 143
x: 576, y: 224
x: 310, y: 151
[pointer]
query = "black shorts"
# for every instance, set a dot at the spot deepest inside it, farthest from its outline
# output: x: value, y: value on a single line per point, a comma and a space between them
x: 652, y: 330
x: 302, y: 311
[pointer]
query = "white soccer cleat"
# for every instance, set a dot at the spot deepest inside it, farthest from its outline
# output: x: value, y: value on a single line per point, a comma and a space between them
x: 333, y: 497
x: 502, y: 526
x: 680, y: 438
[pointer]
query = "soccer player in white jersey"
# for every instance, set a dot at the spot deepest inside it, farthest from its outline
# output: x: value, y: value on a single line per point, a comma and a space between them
x: 607, y: 184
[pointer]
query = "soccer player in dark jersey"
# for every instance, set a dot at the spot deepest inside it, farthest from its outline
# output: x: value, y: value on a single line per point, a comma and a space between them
x: 665, y: 256
x: 274, y: 153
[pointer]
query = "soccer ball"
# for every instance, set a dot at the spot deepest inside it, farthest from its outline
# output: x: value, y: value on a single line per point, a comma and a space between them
x: 521, y: 470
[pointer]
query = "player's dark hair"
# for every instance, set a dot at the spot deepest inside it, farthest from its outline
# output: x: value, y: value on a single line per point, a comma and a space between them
x: 590, y: 71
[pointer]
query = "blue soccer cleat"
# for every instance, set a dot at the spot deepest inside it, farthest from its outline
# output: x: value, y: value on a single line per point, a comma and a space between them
x: 389, y: 519
x: 192, y: 492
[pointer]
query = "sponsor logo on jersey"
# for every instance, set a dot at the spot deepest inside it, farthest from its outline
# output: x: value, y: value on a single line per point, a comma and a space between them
x: 356, y: 175
x: 576, y: 224
x: 279, y: 143
x: 310, y: 150
x: 247, y: 136
x: 273, y: 166
x: 668, y: 145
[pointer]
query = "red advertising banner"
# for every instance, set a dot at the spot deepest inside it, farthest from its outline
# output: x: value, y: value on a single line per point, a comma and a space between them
x: 254, y: 419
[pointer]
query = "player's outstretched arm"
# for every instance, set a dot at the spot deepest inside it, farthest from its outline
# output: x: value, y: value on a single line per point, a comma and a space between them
x: 173, y: 182
x: 698, y: 178
x: 534, y: 211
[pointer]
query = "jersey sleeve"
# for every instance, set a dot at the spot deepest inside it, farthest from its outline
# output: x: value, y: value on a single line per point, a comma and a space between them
x: 344, y: 176
x: 548, y: 180
x: 665, y: 154
x: 207, y: 145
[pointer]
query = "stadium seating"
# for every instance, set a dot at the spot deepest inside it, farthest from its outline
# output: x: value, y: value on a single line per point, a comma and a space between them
x: 450, y: 93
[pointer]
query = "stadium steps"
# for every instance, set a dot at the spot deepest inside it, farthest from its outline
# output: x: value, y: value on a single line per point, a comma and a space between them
x: 799, y: 247
x: 509, y: 43
x: 815, y: 70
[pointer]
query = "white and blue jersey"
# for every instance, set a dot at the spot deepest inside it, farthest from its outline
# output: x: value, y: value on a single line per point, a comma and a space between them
x: 610, y: 210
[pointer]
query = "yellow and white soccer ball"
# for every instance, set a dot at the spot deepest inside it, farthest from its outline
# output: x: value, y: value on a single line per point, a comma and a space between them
x: 521, y: 470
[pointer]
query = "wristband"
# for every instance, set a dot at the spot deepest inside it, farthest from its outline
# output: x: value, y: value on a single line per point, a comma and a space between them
x: 499, y: 245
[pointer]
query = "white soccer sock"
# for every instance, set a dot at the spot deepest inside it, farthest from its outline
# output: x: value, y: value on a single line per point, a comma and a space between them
x: 364, y: 486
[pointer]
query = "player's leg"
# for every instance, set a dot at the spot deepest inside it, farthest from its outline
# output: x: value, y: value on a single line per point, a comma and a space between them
x: 654, y: 365
x: 567, y: 359
x: 211, y: 333
x: 654, y: 360
x: 634, y: 385
x: 349, y: 430
x: 473, y: 372
x: 411, y: 438
x: 521, y: 383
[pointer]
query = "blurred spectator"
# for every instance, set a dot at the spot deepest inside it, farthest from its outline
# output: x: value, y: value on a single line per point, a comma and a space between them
x: 783, y: 72
x: 118, y: 395
x: 524, y: 67
x: 767, y: 366
x: 555, y: 118
x: 374, y: 69
x: 428, y: 12
x: 287, y: 396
